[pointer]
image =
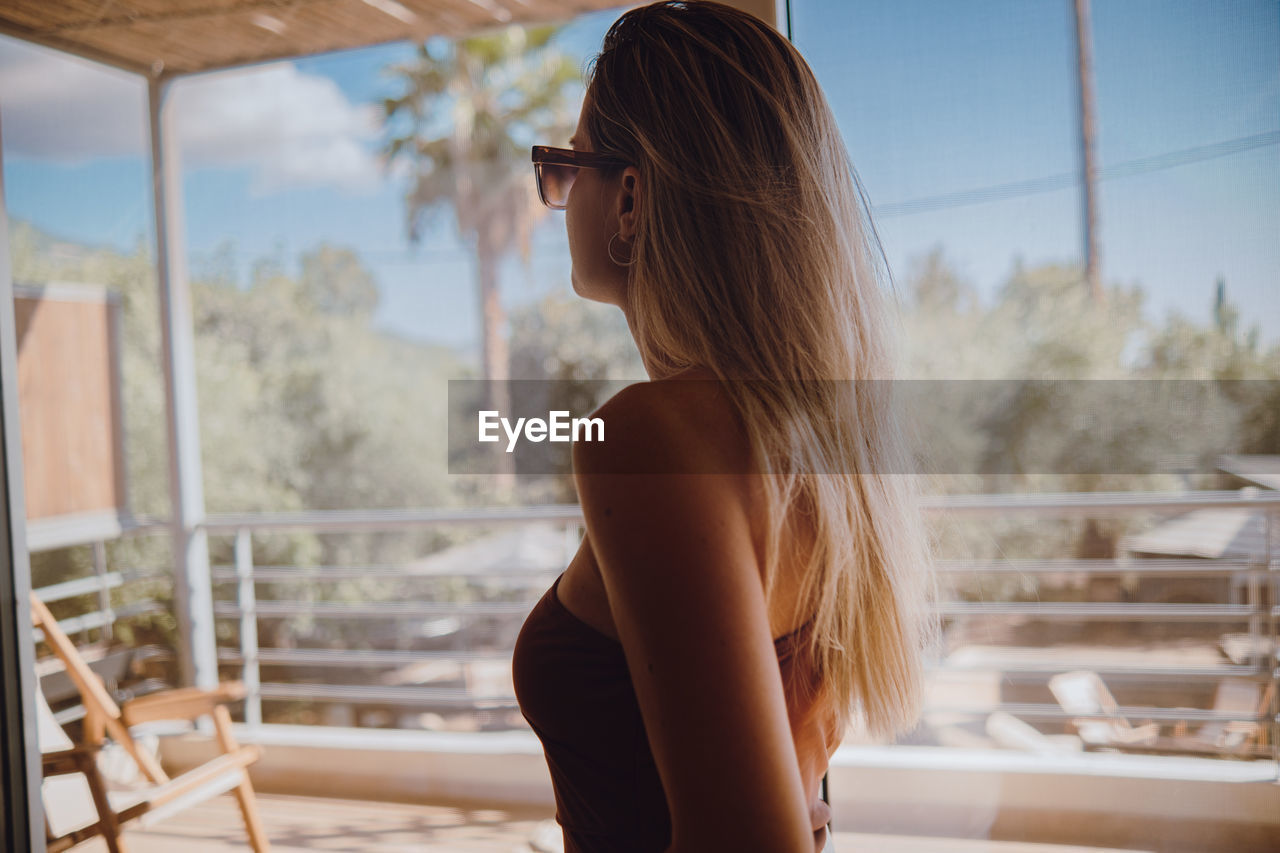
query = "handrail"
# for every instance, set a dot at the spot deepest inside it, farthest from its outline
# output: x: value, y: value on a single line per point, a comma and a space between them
x: 351, y: 521
x: 355, y: 658
x: 456, y: 697
x: 1054, y: 503
x: 88, y: 585
x: 1089, y: 503
x: 1104, y: 611
x: 102, y: 619
x: 88, y: 528
x: 376, y: 610
x: 1155, y: 567
x: 1202, y: 567
x: 312, y: 574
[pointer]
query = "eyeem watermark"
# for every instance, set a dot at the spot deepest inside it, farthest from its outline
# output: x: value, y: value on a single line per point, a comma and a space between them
x: 939, y: 426
x: 557, y: 426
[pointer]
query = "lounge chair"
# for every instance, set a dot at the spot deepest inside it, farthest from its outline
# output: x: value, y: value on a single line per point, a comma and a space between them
x: 1099, y: 723
x: 1010, y: 732
x: 78, y: 791
x: 77, y: 805
x: 1244, y: 698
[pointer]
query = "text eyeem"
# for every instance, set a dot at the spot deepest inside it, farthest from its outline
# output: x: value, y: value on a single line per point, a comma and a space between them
x: 557, y: 427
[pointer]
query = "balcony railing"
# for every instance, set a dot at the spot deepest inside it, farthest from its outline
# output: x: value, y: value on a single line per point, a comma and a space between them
x: 1254, y: 584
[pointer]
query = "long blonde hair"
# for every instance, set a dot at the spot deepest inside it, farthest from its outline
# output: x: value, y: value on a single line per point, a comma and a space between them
x: 755, y: 257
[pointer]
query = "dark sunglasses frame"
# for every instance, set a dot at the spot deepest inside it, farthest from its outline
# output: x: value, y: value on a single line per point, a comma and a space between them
x: 545, y: 155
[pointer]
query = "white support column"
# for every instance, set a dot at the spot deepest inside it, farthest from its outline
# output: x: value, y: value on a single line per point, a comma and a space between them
x: 21, y: 812
x: 193, y: 593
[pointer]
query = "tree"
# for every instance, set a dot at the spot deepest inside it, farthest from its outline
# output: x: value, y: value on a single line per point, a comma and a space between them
x: 578, y: 354
x: 464, y: 123
x: 335, y: 282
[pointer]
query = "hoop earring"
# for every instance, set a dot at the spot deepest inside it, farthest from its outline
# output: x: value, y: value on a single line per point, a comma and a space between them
x: 612, y: 258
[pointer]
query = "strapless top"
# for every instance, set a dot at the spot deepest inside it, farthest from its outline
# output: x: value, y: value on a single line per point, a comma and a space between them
x: 575, y: 691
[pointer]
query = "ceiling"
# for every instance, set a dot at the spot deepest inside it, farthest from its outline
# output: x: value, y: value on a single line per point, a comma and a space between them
x: 166, y: 38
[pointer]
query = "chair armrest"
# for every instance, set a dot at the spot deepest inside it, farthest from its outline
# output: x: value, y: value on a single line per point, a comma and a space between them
x: 1143, y: 734
x: 185, y: 703
x: 64, y: 761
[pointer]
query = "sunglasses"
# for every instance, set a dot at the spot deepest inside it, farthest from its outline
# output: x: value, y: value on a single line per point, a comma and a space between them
x: 556, y: 168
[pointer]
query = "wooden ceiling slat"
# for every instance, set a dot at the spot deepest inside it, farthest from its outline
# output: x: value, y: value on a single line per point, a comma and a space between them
x: 41, y: 14
x: 203, y: 35
x: 144, y: 44
x: 443, y: 17
x: 471, y: 18
x: 212, y: 11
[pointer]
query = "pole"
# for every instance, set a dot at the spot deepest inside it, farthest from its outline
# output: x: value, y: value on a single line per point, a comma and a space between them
x: 1088, y: 162
x: 193, y: 593
x: 21, y: 812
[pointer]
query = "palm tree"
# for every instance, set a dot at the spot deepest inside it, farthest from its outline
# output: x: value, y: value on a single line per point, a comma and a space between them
x: 470, y: 110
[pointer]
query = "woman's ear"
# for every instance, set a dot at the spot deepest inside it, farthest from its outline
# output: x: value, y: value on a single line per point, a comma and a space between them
x: 629, y: 203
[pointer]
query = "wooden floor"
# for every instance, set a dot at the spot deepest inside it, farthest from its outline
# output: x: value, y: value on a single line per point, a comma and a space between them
x: 296, y: 824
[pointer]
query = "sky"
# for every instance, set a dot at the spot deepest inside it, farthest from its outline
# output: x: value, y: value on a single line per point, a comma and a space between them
x: 934, y: 99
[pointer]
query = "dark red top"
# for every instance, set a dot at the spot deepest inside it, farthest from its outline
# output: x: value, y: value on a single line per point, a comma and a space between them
x: 574, y: 689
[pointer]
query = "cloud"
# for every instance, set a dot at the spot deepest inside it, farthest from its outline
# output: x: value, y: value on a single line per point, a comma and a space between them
x: 59, y: 108
x: 291, y: 129
x: 288, y: 129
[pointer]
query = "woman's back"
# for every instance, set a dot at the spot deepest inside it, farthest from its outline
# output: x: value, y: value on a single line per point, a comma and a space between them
x: 709, y: 419
x: 574, y: 685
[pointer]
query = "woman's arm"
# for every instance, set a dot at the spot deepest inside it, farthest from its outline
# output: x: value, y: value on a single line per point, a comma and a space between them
x: 675, y: 553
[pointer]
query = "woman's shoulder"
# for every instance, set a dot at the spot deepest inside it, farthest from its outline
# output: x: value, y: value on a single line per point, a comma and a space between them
x: 680, y: 425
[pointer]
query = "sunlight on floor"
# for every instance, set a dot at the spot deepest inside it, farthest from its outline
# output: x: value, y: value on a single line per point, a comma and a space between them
x: 296, y: 824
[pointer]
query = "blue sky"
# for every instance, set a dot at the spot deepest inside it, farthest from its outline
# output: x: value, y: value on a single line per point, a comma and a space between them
x: 938, y: 97
x: 932, y: 98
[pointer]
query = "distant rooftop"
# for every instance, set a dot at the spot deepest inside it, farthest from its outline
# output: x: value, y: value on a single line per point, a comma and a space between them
x: 1262, y: 469
x: 1206, y: 533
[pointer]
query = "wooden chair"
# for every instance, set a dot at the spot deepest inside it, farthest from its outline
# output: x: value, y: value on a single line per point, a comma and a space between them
x: 163, y: 796
x: 77, y: 804
x: 1246, y: 699
x: 1083, y: 692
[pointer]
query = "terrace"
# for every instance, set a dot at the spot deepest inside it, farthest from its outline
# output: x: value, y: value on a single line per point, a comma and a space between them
x: 398, y: 672
x: 436, y: 724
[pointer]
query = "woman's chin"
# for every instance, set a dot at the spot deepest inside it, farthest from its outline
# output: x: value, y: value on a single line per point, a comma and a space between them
x: 587, y: 290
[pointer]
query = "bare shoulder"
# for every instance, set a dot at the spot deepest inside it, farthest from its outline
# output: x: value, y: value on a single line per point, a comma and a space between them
x: 666, y: 426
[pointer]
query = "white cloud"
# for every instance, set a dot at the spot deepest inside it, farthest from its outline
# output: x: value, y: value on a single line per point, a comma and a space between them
x: 54, y: 107
x: 292, y: 129
x: 288, y: 128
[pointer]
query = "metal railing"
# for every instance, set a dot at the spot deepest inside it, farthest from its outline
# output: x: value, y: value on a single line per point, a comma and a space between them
x: 1258, y: 578
x: 248, y: 610
x: 103, y: 616
x: 100, y: 583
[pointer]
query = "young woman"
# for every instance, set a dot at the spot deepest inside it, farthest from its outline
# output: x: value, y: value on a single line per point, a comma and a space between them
x: 751, y: 580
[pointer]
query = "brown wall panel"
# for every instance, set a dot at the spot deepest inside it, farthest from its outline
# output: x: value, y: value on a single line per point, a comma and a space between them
x: 69, y: 402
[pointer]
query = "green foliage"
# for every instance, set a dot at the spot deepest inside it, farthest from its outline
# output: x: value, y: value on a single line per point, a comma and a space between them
x: 464, y: 122
x: 303, y: 404
x: 1042, y: 324
x: 463, y: 126
x: 335, y: 282
x: 583, y: 352
x: 565, y: 337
